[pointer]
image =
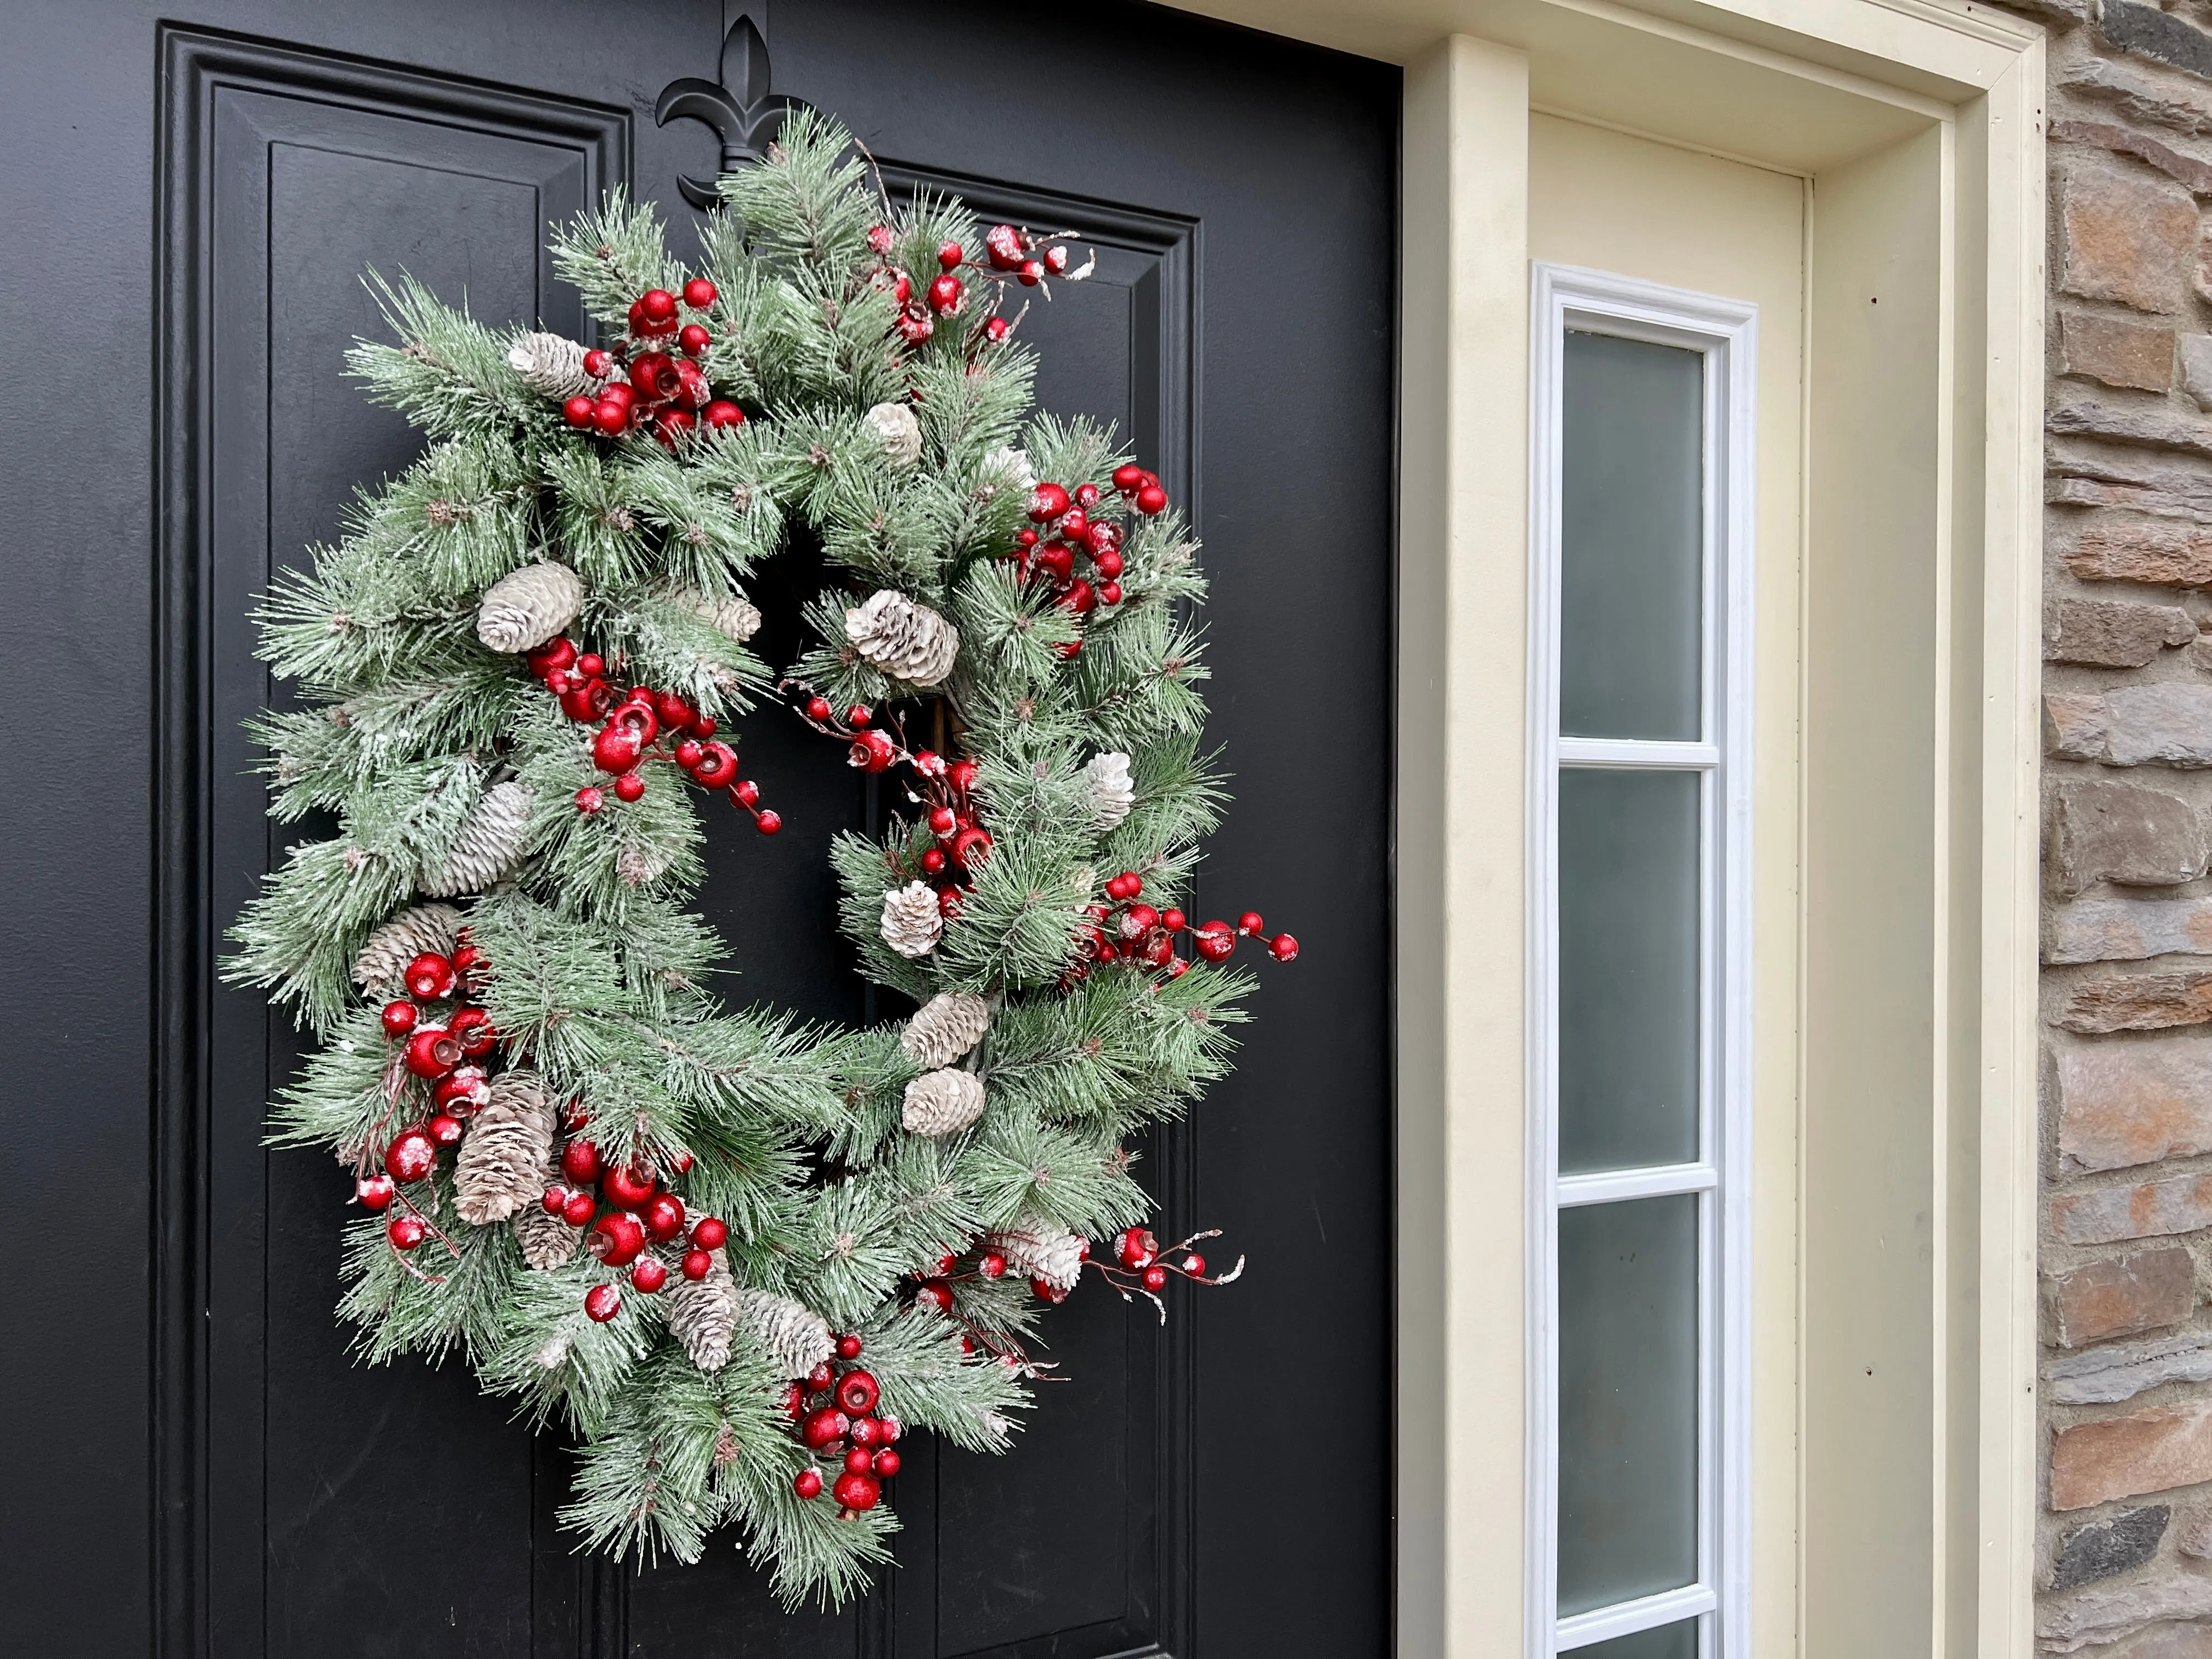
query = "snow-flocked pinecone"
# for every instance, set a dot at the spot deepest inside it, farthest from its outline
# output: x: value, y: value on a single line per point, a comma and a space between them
x: 945, y: 1027
x: 703, y: 1313
x: 735, y: 616
x: 552, y: 365
x: 1037, y: 1250
x: 1008, y: 468
x: 635, y: 866
x: 796, y: 1337
x: 912, y: 923
x: 942, y: 1102
x: 525, y: 608
x: 385, y: 953
x: 488, y: 847
x: 906, y: 639
x: 547, y: 1241
x: 1107, y: 790
x: 899, y: 432
x: 501, y: 1168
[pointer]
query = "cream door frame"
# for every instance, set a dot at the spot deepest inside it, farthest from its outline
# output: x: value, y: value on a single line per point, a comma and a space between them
x: 1919, y: 126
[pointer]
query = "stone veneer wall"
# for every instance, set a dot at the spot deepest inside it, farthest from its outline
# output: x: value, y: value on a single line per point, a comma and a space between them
x: 2124, y: 1550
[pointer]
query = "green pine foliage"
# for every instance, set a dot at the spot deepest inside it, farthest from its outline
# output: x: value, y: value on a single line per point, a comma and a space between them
x: 597, y: 973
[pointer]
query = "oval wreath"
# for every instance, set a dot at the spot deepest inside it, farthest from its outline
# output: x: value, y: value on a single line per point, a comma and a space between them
x: 738, y: 1257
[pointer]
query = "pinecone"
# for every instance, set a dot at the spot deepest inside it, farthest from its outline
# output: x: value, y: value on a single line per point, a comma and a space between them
x: 1037, y: 1250
x: 942, y: 1102
x: 501, y: 1168
x: 703, y: 1313
x: 635, y: 865
x: 547, y: 1241
x: 906, y: 639
x: 912, y: 923
x: 945, y: 1027
x: 385, y: 953
x: 551, y: 365
x: 895, y: 425
x: 488, y: 847
x: 737, y: 615
x: 525, y: 608
x: 796, y: 1337
x: 1106, y: 791
x: 1008, y: 468
x: 555, y: 1353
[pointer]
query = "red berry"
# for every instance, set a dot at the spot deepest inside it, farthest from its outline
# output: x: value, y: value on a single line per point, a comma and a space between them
x: 879, y: 243
x: 945, y: 1264
x: 1193, y: 1264
x: 578, y: 1210
x: 1151, y: 499
x: 1283, y: 948
x: 663, y: 1216
x: 672, y: 423
x: 1128, y: 477
x: 936, y: 1293
x: 611, y: 418
x: 589, y: 799
x: 1215, y: 942
x: 997, y: 329
x: 617, y: 1239
x: 824, y: 1426
x: 817, y: 708
x: 429, y: 977
x: 859, y: 1461
x: 1156, y: 1277
x: 945, y: 293
x: 721, y: 413
x: 698, y: 294
x: 555, y: 1201
x: 628, y: 1188
x: 888, y: 1429
x: 948, y: 255
x: 398, y: 1018
x: 819, y: 1379
x: 933, y: 861
x: 657, y: 305
x: 472, y: 1029
x: 1172, y: 920
x: 601, y: 1303
x: 807, y: 1483
x: 887, y: 1464
x: 689, y: 752
x: 406, y: 1231
x: 374, y: 1191
x: 1031, y: 273
x: 856, y: 1393
x: 694, y: 339
x: 580, y: 1162
x: 710, y: 1233
x: 577, y: 411
x: 698, y: 1264
x: 848, y: 1346
x: 872, y: 751
x: 1109, y: 592
x: 857, y: 1492
x: 768, y: 821
x: 629, y: 786
x: 858, y: 714
x: 1250, y: 924
x: 1108, y: 564
x: 433, y: 1051
x: 745, y: 793
x: 943, y: 820
x: 649, y: 1275
x: 992, y: 1266
x: 703, y: 727
x: 675, y: 713
x: 1046, y: 1290
x: 717, y: 768
x: 445, y: 1129
x: 1047, y: 502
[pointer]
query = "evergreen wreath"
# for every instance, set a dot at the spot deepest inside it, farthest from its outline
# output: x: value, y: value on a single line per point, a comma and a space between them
x: 736, y: 1256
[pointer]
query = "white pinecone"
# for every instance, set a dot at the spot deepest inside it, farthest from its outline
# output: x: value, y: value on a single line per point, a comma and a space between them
x: 547, y: 1241
x: 1106, y: 791
x: 501, y: 1167
x: 945, y: 1027
x: 385, y: 953
x: 1008, y: 468
x: 906, y: 639
x: 737, y: 615
x: 551, y: 365
x: 1037, y: 1250
x: 912, y: 923
x: 488, y: 847
x: 900, y: 432
x: 635, y: 865
x: 796, y: 1337
x: 703, y: 1313
x: 942, y: 1102
x: 525, y: 608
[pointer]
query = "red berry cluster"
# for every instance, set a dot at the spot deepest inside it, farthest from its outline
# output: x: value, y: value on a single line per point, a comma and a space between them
x: 1127, y: 931
x: 1007, y: 252
x: 633, y: 1218
x: 644, y: 726
x: 1138, y: 1255
x: 648, y: 385
x: 944, y: 789
x: 836, y: 1412
x: 439, y: 1034
x: 1063, y: 527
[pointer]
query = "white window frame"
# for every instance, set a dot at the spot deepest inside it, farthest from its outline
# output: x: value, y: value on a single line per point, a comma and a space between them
x: 1726, y: 332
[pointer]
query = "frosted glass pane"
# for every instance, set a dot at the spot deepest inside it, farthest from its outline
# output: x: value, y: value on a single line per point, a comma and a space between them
x: 1628, y: 969
x: 1632, y: 560
x: 1628, y: 1400
x: 1666, y: 1642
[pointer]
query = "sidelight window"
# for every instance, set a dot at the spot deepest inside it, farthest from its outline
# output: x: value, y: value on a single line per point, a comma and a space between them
x: 1639, y: 923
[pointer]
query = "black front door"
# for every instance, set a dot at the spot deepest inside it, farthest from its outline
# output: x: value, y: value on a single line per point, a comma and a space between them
x: 196, y: 1467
